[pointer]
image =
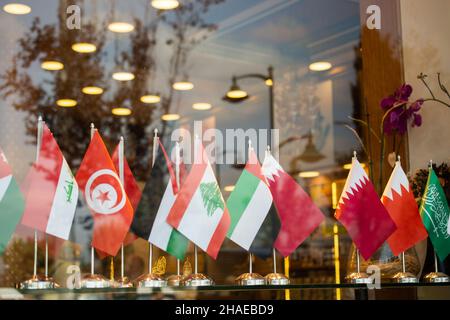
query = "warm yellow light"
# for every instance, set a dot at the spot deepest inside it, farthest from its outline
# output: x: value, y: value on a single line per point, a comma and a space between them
x: 120, y: 111
x: 320, y: 66
x: 52, y: 65
x: 92, y: 90
x: 201, y: 106
x: 170, y: 117
x: 17, y: 8
x: 150, y: 99
x: 309, y: 174
x: 228, y: 188
x: 334, y: 198
x: 123, y: 76
x: 66, y: 103
x: 165, y: 4
x: 269, y: 82
x: 348, y: 166
x: 84, y: 47
x: 120, y: 27
x: 236, y: 94
x: 183, y: 85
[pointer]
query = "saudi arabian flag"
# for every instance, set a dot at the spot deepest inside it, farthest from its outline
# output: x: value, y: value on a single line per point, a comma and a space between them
x: 11, y: 203
x: 435, y: 215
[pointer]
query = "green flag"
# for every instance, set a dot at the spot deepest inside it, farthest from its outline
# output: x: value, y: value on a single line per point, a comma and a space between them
x: 435, y: 214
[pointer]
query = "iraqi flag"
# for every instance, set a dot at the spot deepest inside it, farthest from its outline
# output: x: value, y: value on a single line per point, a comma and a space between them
x: 199, y: 211
x: 298, y: 214
x: 398, y: 199
x: 252, y: 227
x: 361, y: 212
x: 105, y: 197
x: 52, y: 192
x: 11, y: 203
x: 157, y: 199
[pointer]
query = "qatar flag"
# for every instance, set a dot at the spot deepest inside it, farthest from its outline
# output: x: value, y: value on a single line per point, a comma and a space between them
x: 361, y: 212
x: 105, y: 197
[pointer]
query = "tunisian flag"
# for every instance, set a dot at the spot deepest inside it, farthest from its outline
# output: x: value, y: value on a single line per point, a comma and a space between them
x: 399, y: 201
x: 299, y: 216
x: 361, y: 212
x: 105, y: 196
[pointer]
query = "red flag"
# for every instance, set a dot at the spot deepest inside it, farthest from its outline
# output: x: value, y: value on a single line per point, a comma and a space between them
x: 402, y: 207
x: 105, y: 196
x: 362, y: 213
x: 299, y: 216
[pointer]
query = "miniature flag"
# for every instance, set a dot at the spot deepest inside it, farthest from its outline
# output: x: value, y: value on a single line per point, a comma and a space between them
x: 158, y: 197
x: 11, y: 203
x: 299, y: 216
x: 199, y: 211
x: 399, y: 201
x: 105, y: 197
x: 249, y: 205
x: 435, y: 215
x: 361, y: 212
x: 52, y: 192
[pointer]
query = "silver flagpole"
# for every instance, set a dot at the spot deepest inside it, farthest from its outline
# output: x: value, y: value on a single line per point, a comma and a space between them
x: 150, y: 279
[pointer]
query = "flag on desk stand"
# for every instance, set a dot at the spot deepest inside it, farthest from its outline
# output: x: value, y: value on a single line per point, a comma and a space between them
x: 11, y: 203
x: 105, y: 197
x: 299, y: 216
x: 52, y: 192
x: 250, y: 205
x: 159, y: 194
x: 361, y: 212
x: 199, y: 211
x: 435, y: 215
x: 398, y: 199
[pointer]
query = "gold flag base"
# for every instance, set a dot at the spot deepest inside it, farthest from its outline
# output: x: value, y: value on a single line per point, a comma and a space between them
x: 123, y: 283
x: 405, y: 277
x: 38, y: 283
x: 436, y: 277
x: 174, y: 280
x: 150, y: 280
x: 95, y: 281
x: 197, y: 280
x: 250, y: 279
x: 359, y: 278
x: 277, y: 279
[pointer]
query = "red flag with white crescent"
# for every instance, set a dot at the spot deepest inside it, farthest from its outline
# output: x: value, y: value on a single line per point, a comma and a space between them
x: 104, y: 194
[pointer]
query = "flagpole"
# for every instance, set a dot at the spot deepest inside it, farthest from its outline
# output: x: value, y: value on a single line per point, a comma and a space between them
x: 154, y: 153
x: 38, y: 148
x: 92, y: 248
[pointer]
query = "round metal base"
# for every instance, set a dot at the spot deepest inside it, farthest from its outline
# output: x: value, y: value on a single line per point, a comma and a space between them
x: 277, y: 279
x: 95, y: 281
x: 197, y: 280
x: 123, y: 283
x: 405, y: 277
x: 174, y: 280
x: 250, y: 279
x: 436, y: 277
x: 38, y: 283
x: 359, y: 278
x: 150, y: 280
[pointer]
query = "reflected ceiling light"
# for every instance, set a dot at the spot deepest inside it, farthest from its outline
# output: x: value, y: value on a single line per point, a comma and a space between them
x: 84, y: 47
x: 201, y: 106
x: 268, y: 82
x: 121, y: 111
x: 92, y: 90
x: 123, y: 76
x: 52, y: 65
x: 120, y: 27
x: 348, y: 166
x: 165, y: 4
x: 309, y: 174
x: 183, y: 85
x: 320, y: 66
x: 170, y: 117
x: 229, y: 188
x: 17, y: 8
x: 66, y: 103
x: 150, y: 99
x: 236, y: 93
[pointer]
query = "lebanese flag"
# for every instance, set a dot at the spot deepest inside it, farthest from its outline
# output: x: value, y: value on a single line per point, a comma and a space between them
x: 361, y: 212
x: 299, y: 216
x: 199, y: 211
x: 105, y: 197
x: 51, y: 191
x: 398, y: 199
